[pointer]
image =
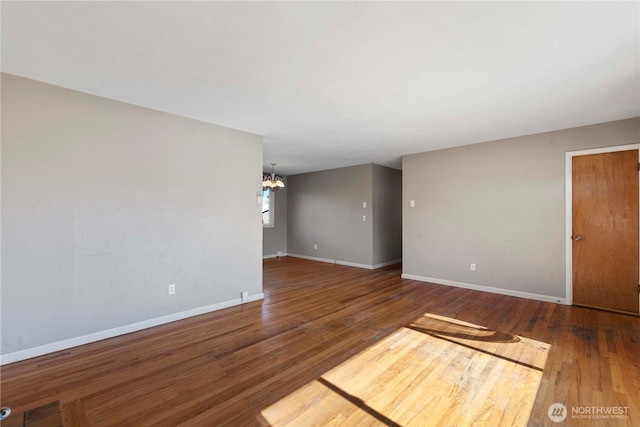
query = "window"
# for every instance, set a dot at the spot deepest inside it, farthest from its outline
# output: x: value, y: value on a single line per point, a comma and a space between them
x: 268, y: 211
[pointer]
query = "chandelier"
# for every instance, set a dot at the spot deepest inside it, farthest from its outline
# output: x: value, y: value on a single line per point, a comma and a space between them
x: 272, y: 181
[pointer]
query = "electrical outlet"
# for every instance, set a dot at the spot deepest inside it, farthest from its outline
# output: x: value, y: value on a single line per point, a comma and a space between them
x: 244, y: 296
x: 364, y: 205
x: 172, y: 289
x: 412, y: 203
x: 364, y: 217
x: 315, y: 247
x: 472, y: 266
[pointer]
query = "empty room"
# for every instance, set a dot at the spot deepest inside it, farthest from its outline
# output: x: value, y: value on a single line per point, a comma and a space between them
x: 320, y: 213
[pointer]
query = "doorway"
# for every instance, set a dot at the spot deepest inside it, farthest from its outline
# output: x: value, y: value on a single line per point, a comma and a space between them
x: 602, y: 227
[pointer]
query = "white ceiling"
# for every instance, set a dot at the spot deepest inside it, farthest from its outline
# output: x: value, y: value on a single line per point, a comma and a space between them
x: 341, y: 83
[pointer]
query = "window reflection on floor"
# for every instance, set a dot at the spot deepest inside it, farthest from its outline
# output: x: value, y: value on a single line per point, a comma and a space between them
x: 436, y: 371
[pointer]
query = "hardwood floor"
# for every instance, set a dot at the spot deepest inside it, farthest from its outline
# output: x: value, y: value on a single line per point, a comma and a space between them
x: 338, y: 345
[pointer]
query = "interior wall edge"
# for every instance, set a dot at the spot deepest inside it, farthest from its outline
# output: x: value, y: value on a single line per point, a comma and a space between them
x: 53, y: 347
x: 345, y: 263
x: 483, y: 288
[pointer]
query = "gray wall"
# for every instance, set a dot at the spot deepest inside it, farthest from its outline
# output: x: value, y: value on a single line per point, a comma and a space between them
x: 104, y: 204
x: 499, y: 204
x: 275, y: 238
x: 326, y: 208
x: 387, y: 214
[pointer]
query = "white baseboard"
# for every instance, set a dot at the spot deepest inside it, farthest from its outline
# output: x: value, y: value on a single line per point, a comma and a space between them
x: 354, y: 264
x: 493, y: 290
x: 386, y: 264
x: 274, y: 256
x: 313, y: 258
x: 346, y: 263
x: 121, y: 330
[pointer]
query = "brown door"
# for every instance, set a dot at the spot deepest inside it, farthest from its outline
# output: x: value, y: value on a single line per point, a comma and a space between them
x: 605, y: 231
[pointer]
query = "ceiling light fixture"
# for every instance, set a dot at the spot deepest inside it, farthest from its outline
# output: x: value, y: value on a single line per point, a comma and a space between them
x: 272, y: 181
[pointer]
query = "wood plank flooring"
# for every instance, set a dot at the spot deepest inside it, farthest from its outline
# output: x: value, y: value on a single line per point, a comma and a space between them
x: 335, y: 345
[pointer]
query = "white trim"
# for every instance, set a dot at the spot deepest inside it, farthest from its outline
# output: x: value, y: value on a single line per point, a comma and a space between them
x: 355, y: 264
x: 388, y: 263
x: 274, y: 256
x: 121, y: 330
x: 313, y: 258
x: 568, y: 178
x: 482, y: 288
x: 346, y: 263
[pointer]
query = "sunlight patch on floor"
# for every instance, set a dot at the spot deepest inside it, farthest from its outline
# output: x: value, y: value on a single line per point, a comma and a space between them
x: 436, y: 371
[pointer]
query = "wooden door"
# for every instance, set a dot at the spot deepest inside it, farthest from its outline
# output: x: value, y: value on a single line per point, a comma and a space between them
x: 605, y: 231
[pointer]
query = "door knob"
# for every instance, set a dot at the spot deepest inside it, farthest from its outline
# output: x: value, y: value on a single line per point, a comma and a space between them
x: 578, y: 237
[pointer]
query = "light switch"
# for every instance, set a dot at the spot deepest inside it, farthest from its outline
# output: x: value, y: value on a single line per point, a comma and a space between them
x: 364, y: 205
x: 412, y: 203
